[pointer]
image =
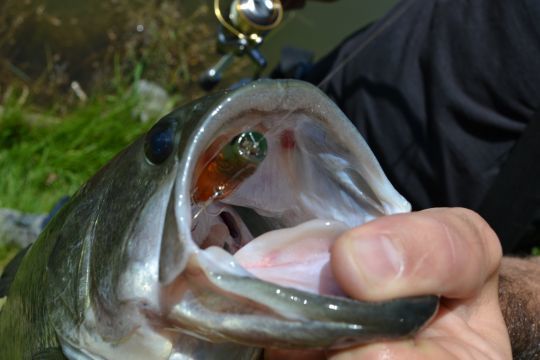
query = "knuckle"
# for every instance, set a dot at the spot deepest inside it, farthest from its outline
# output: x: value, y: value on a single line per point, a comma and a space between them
x: 480, y: 236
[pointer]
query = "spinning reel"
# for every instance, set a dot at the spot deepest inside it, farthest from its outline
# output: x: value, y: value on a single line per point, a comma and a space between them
x: 243, y: 26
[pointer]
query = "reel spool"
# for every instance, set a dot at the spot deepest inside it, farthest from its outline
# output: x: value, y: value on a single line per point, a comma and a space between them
x: 243, y: 27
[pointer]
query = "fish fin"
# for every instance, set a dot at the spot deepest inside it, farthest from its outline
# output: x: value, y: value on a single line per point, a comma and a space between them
x: 49, y: 354
x: 9, y: 272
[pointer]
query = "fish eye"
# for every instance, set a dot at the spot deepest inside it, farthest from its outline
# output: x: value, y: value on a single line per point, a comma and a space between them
x: 159, y: 142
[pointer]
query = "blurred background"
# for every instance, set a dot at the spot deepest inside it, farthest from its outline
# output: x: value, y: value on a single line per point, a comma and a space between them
x: 79, y: 80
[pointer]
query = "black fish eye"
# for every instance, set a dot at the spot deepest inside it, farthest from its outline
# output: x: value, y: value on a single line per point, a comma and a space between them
x: 159, y: 142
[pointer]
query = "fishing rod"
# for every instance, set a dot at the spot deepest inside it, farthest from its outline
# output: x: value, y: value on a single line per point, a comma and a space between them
x: 243, y: 27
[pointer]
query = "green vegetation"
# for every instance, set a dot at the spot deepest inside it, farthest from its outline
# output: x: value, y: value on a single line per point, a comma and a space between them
x: 44, y: 157
x: 65, y: 85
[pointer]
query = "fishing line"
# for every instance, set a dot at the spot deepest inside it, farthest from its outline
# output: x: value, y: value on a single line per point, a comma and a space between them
x: 372, y: 33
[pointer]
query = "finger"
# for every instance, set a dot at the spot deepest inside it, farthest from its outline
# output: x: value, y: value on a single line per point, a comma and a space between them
x: 278, y: 354
x: 411, y: 350
x: 446, y: 251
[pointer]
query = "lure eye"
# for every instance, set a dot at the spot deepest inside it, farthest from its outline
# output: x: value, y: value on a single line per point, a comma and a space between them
x: 159, y: 142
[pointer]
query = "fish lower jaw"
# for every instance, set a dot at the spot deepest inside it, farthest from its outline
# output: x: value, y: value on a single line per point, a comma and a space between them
x: 295, y: 257
x: 218, y: 299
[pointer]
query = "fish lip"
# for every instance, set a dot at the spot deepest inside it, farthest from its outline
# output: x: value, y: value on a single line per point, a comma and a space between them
x: 282, y: 317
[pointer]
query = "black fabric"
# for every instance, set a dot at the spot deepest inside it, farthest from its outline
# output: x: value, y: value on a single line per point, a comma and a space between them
x: 512, y: 205
x: 442, y: 94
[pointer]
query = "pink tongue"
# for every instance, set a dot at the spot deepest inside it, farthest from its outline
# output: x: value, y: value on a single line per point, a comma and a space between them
x: 296, y: 257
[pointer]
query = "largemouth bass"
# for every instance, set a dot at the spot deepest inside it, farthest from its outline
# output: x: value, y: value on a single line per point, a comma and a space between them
x: 209, y: 238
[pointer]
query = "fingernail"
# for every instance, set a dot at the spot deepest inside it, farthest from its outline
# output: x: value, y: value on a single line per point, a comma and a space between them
x: 376, y: 257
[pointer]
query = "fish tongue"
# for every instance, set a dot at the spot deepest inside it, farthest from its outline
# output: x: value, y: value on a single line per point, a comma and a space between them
x: 297, y: 257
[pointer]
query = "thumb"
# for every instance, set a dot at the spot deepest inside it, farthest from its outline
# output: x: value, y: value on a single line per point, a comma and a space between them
x: 448, y: 252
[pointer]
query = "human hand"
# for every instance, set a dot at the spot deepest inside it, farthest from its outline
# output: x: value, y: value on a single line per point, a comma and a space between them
x: 449, y: 252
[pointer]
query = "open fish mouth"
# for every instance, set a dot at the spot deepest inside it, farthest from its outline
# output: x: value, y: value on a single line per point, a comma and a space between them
x: 274, y: 175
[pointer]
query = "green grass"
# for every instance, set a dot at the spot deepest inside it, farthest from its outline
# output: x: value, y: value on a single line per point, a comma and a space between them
x: 44, y: 157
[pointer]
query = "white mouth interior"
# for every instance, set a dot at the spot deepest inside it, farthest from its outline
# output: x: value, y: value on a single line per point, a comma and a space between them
x: 296, y: 257
x: 280, y: 223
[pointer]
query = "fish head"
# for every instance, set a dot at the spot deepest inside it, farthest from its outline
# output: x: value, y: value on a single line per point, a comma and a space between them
x: 185, y: 253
